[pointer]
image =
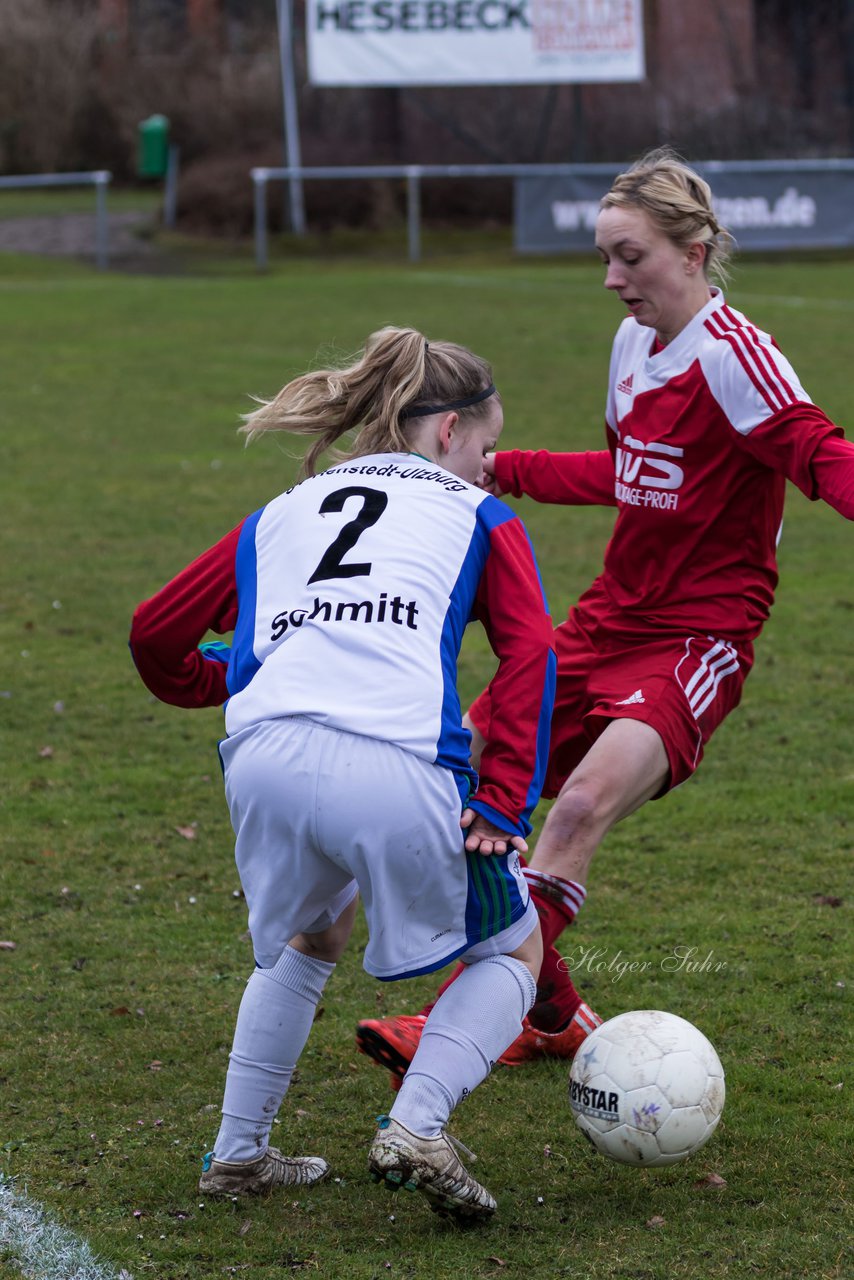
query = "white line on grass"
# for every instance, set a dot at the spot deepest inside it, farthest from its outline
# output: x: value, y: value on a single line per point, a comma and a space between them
x: 41, y: 1249
x: 558, y: 283
x: 792, y: 300
x: 484, y: 279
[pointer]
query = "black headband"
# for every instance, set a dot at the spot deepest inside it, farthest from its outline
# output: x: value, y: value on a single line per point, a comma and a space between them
x: 422, y: 410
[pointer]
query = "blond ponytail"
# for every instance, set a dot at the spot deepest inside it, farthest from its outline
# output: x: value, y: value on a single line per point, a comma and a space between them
x: 397, y: 371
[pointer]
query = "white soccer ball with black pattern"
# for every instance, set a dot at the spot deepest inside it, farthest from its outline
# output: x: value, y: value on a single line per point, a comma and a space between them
x: 647, y: 1088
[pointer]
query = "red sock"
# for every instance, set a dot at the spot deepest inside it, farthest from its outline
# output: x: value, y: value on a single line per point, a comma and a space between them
x: 557, y: 999
x: 558, y: 901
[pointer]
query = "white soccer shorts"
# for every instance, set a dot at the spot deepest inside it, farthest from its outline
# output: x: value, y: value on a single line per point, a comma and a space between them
x: 319, y: 813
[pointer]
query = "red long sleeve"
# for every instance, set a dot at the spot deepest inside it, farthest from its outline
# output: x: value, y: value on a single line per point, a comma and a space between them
x: 166, y: 629
x: 833, y: 471
x: 512, y: 607
x: 582, y: 479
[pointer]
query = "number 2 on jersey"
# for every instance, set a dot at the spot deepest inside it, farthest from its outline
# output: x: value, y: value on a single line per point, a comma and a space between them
x: 374, y: 503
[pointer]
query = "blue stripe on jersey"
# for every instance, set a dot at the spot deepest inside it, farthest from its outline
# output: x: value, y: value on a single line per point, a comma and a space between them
x: 491, y: 514
x: 499, y: 819
x: 544, y: 729
x: 454, y: 743
x: 533, y: 560
x: 544, y: 721
x: 216, y: 651
x: 494, y: 901
x: 244, y: 663
x: 427, y: 968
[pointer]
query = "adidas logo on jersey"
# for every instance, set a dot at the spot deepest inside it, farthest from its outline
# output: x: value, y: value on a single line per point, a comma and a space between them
x: 626, y: 385
x: 636, y: 697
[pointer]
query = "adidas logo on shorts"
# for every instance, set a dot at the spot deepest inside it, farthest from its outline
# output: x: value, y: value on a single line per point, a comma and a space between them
x: 636, y: 697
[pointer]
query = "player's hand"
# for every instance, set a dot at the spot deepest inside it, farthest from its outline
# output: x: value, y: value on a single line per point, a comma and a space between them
x: 489, y: 482
x: 484, y: 837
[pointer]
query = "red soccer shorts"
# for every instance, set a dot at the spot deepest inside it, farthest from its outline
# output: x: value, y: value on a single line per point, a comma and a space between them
x: 682, y: 686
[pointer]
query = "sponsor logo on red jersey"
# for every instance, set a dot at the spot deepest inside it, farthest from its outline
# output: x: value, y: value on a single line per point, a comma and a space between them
x: 648, y: 474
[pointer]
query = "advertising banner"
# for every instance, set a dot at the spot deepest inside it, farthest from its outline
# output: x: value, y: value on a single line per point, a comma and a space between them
x: 792, y: 205
x: 471, y: 42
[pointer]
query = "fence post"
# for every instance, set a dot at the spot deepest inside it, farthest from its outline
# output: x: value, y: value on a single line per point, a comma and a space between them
x: 102, y: 226
x: 259, y: 177
x: 293, y: 154
x: 413, y: 211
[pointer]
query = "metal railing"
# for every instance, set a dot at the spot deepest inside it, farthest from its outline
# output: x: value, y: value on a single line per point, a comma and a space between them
x: 98, y: 178
x: 760, y: 215
x: 413, y: 175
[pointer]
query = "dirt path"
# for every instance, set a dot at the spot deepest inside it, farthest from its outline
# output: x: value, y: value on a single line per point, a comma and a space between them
x: 72, y: 235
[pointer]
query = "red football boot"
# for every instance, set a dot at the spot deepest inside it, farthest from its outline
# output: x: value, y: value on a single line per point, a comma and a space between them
x: 533, y: 1043
x: 391, y: 1042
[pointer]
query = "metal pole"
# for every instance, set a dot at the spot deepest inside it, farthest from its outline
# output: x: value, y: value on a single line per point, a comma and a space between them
x: 289, y: 105
x: 259, y: 177
x: 102, y: 232
x: 413, y: 212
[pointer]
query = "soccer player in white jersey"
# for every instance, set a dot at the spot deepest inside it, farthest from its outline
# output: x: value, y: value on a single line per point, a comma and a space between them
x: 346, y: 763
x: 706, y: 420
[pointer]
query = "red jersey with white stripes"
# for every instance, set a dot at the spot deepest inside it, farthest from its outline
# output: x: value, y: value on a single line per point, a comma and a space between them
x: 702, y: 436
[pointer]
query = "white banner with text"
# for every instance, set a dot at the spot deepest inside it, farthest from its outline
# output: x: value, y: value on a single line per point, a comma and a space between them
x: 471, y: 42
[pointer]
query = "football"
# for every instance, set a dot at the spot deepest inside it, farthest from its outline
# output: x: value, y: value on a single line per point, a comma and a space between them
x: 647, y: 1088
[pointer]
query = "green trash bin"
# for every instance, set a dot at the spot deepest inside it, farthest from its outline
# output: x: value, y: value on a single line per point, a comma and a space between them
x: 153, y: 154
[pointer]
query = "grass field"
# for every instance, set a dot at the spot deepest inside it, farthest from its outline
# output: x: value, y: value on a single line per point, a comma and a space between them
x: 34, y: 201
x: 120, y: 461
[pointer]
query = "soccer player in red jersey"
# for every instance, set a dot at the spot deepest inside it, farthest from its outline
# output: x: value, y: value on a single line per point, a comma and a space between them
x: 706, y: 420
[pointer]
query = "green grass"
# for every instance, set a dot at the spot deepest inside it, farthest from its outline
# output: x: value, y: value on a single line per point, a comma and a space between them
x: 119, y: 462
x: 31, y: 202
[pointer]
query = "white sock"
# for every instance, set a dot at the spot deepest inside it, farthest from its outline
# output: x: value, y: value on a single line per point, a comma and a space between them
x: 469, y: 1027
x: 273, y: 1024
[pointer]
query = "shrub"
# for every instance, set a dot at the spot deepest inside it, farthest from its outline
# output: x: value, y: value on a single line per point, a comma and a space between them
x: 46, y: 57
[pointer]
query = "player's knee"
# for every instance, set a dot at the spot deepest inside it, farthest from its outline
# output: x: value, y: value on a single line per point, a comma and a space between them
x: 579, y: 807
x: 328, y: 944
x: 319, y: 946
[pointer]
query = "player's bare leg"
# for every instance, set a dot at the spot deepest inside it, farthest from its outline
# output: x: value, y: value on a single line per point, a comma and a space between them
x: 624, y: 768
x: 329, y: 945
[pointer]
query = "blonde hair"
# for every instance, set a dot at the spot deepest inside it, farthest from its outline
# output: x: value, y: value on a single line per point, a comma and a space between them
x: 375, y: 396
x: 678, y: 201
